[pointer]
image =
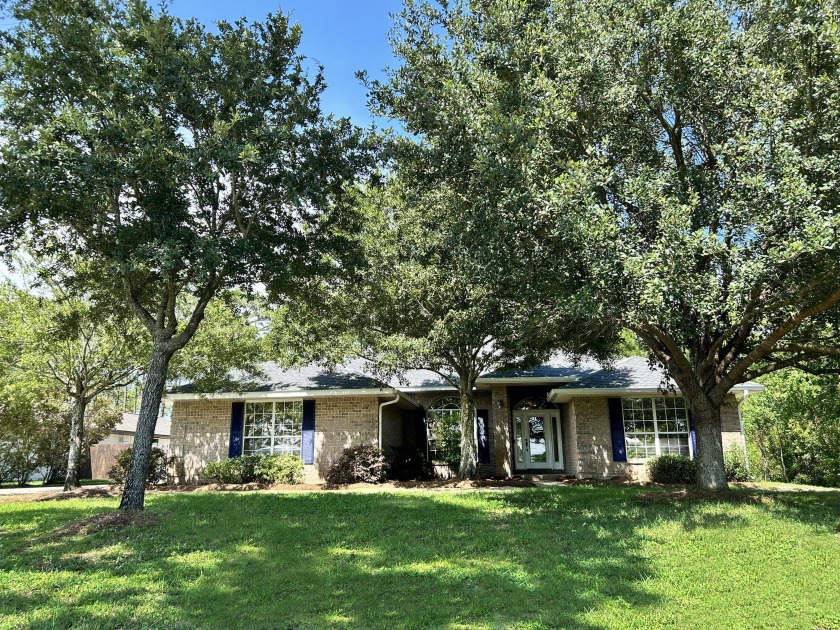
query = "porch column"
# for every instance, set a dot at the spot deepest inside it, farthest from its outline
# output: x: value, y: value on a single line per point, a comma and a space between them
x: 502, y: 438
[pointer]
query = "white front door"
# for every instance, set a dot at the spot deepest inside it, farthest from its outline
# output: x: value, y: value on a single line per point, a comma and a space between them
x: 537, y: 439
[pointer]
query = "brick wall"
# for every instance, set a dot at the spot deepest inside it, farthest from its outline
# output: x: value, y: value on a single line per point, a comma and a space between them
x: 591, y: 424
x: 395, y: 429
x: 593, y: 440
x: 201, y: 432
x: 483, y: 400
x: 502, y: 444
x: 730, y: 424
x: 341, y: 422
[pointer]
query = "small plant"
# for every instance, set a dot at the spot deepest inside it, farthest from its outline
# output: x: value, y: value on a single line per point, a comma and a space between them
x: 358, y: 464
x: 256, y: 469
x: 735, y: 465
x: 672, y: 469
x: 409, y: 464
x: 232, y: 470
x: 279, y: 469
x: 159, y: 463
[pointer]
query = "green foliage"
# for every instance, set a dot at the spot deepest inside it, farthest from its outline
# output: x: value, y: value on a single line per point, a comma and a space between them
x: 35, y: 426
x: 232, y: 470
x: 227, y: 348
x: 63, y: 342
x: 735, y: 465
x: 672, y: 469
x: 793, y: 428
x: 408, y: 464
x: 448, y: 440
x: 158, y: 471
x: 183, y: 161
x: 285, y: 469
x: 276, y: 468
x: 675, y: 160
x: 358, y: 464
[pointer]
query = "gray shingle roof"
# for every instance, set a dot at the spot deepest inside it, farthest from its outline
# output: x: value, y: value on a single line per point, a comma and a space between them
x: 277, y: 379
x: 128, y: 424
x: 628, y: 373
x: 559, y: 366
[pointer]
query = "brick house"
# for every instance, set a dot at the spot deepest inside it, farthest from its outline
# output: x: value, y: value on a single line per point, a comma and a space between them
x: 559, y: 418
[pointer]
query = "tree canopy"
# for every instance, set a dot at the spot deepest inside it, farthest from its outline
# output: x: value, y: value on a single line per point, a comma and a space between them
x: 181, y: 161
x: 417, y: 298
x: 690, y: 149
x: 793, y: 428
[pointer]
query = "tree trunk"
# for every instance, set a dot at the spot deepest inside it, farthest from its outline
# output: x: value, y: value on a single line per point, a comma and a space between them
x: 74, y: 455
x: 711, y: 474
x: 781, y: 456
x: 134, y: 491
x: 469, y: 455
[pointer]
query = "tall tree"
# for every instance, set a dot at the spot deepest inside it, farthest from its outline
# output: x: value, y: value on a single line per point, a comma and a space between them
x: 418, y: 300
x: 441, y: 281
x: 692, y: 146
x: 180, y: 161
x: 793, y: 428
x: 64, y: 341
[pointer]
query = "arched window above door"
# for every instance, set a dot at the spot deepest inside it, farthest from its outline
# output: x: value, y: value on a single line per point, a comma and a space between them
x: 534, y: 402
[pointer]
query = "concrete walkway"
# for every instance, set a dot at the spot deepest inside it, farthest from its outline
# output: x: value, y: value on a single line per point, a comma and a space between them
x: 42, y: 489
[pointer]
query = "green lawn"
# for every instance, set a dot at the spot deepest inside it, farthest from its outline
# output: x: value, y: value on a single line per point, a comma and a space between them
x: 580, y: 557
x: 32, y: 484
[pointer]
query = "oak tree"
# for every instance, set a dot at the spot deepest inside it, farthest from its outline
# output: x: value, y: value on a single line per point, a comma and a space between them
x: 179, y: 160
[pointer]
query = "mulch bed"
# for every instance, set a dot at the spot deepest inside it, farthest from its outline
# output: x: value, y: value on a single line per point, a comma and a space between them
x: 693, y: 495
x: 83, y: 493
x: 113, y: 520
x: 462, y: 483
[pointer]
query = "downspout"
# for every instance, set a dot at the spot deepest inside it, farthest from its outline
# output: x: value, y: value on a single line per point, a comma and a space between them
x: 744, y: 435
x: 385, y: 404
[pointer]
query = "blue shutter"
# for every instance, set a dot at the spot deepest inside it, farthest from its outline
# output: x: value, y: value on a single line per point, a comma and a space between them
x: 482, y: 427
x: 307, y: 450
x: 692, y: 435
x: 619, y: 448
x: 237, y: 419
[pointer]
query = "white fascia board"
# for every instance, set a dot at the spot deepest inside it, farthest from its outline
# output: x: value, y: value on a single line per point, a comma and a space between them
x: 428, y: 388
x: 565, y: 395
x: 287, y: 394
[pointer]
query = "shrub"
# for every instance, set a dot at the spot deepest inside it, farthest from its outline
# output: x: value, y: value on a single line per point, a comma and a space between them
x: 159, y: 463
x: 672, y: 469
x: 232, y: 470
x: 735, y: 465
x: 448, y: 440
x: 279, y: 469
x: 256, y: 468
x: 358, y: 464
x: 409, y: 464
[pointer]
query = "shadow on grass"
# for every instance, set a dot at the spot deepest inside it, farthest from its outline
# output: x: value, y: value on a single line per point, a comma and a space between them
x: 547, y: 558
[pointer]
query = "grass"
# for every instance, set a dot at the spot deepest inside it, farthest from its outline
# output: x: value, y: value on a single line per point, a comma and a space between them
x: 579, y: 557
x: 39, y: 482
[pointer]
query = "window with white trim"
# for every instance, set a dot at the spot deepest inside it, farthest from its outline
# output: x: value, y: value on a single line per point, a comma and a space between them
x: 273, y: 427
x: 655, y: 426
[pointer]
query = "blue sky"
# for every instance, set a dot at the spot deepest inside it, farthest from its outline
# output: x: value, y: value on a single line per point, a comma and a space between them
x: 342, y: 35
